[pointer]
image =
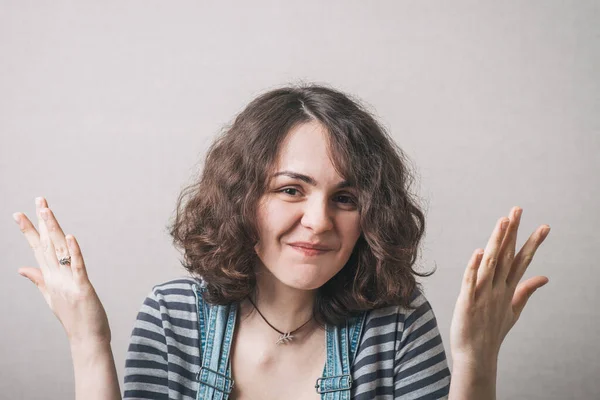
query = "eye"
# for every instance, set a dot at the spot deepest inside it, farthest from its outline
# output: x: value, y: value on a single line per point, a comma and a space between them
x: 347, y: 200
x: 283, y: 190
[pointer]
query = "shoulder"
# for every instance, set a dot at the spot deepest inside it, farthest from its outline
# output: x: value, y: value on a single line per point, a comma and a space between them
x: 388, y: 324
x: 397, y: 314
x: 164, y: 344
x: 174, y: 302
x: 401, y: 353
x: 180, y: 288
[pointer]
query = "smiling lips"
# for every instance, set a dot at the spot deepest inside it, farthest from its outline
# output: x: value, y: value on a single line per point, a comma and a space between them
x: 307, y: 251
x: 311, y: 245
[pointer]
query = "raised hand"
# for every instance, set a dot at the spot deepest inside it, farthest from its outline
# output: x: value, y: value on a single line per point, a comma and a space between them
x: 65, y: 286
x: 62, y: 279
x: 491, y: 298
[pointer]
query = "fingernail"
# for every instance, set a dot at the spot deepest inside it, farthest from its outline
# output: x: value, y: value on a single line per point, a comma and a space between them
x: 17, y: 218
x: 44, y: 213
x: 545, y: 231
x: 504, y: 225
x: 38, y: 201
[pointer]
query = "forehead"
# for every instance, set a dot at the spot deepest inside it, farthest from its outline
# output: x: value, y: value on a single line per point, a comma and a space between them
x: 304, y: 139
x: 305, y: 150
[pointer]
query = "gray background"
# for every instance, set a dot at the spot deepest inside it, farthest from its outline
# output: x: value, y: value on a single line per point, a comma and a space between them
x: 107, y: 108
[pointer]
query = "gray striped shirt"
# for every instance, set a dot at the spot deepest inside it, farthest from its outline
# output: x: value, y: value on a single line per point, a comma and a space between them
x: 400, y: 355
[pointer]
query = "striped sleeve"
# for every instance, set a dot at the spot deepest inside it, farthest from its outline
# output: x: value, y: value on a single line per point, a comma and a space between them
x: 373, y: 368
x: 421, y: 369
x: 163, y: 350
x: 146, y: 363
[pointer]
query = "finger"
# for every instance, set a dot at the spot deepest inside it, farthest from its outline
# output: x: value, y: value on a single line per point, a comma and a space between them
x: 485, y: 274
x: 33, y: 238
x: 524, y: 292
x: 57, y: 236
x: 77, y: 264
x: 470, y: 275
x: 45, y: 241
x: 525, y: 255
x: 507, y: 251
x: 35, y: 275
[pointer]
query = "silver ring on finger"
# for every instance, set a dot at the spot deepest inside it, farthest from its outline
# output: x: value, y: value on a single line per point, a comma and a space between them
x: 65, y: 261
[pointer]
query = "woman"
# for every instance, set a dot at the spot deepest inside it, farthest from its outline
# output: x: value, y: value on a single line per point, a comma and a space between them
x: 299, y: 237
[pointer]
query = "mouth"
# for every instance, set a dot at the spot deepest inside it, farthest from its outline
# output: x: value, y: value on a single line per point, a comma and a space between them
x: 308, y: 251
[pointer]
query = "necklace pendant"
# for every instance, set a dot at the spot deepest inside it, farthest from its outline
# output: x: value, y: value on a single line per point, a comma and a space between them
x: 285, y: 338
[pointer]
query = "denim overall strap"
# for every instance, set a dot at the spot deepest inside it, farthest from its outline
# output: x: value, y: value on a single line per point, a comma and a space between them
x: 216, y: 334
x: 342, y: 344
x: 355, y: 332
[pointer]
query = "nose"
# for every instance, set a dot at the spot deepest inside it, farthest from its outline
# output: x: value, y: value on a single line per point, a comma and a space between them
x: 317, y: 216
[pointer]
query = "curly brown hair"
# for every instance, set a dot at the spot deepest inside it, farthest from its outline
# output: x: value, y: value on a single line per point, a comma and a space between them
x: 216, y: 225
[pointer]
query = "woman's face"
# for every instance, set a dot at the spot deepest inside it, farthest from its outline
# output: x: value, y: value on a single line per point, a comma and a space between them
x: 318, y: 211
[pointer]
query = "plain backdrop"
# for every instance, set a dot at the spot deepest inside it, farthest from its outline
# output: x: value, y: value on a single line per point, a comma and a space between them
x: 107, y: 109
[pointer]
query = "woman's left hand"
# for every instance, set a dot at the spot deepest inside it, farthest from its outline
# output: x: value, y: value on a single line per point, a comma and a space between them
x: 491, y: 298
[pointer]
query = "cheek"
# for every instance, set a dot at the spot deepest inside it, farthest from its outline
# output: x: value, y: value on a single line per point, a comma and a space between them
x: 351, y: 230
x: 273, y: 221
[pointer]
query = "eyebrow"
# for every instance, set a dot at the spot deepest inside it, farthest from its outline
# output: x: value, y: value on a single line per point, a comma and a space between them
x: 308, y: 179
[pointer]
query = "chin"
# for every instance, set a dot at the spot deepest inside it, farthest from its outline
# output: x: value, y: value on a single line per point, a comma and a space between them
x: 304, y: 279
x: 304, y: 285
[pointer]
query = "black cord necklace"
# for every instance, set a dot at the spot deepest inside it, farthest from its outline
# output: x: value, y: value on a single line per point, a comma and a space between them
x: 284, y: 337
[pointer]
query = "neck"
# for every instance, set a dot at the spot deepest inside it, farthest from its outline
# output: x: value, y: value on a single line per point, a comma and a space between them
x: 285, y: 308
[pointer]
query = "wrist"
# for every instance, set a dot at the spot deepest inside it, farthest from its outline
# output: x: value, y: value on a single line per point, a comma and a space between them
x: 477, y: 371
x: 90, y: 339
x: 90, y: 354
x: 469, y: 384
x: 89, y: 345
x: 486, y: 362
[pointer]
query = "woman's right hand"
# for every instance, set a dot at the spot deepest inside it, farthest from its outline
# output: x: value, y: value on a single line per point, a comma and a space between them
x: 66, y: 288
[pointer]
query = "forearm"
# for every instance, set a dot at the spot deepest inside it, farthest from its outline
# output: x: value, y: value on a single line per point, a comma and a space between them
x: 95, y: 373
x: 470, y: 382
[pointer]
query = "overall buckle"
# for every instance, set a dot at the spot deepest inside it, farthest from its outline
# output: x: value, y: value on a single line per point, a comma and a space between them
x: 333, y: 383
x: 225, y: 388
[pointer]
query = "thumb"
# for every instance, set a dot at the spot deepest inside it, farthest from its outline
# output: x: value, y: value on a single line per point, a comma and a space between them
x: 524, y: 291
x: 34, y: 275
